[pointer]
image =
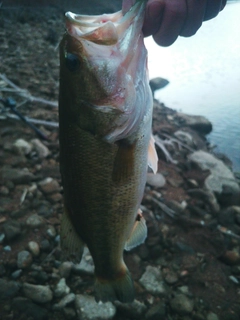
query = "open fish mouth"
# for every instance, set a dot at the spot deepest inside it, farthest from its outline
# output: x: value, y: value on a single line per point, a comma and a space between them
x: 105, y: 29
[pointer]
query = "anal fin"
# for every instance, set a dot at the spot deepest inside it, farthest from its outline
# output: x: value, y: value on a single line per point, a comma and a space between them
x: 71, y: 244
x: 138, y: 234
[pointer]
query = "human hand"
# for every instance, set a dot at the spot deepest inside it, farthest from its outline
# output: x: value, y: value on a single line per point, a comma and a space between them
x: 165, y: 20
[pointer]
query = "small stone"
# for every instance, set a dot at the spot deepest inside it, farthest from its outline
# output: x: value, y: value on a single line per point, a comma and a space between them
x: 55, y: 197
x: 35, y: 221
x: 37, y: 293
x: 212, y: 316
x: 181, y: 304
x: 86, y: 265
x: 171, y: 277
x: 44, y: 210
x: 157, y: 312
x: 7, y: 248
x: 69, y: 313
x: 136, y: 309
x: 65, y: 269
x: 17, y: 176
x: 152, y: 281
x: 40, y: 148
x: 61, y: 288
x: 69, y: 298
x: 156, y: 180
x: 49, y: 185
x: 45, y: 245
x: 2, y: 237
x: 30, y: 309
x: 8, y: 289
x: 51, y: 231
x: 88, y: 309
x: 16, y: 274
x: 176, y: 183
x: 24, y: 259
x: 34, y: 248
x: 12, y: 229
x: 4, y: 190
x: 22, y: 147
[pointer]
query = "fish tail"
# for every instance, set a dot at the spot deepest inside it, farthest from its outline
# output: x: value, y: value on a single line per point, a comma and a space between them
x: 121, y: 288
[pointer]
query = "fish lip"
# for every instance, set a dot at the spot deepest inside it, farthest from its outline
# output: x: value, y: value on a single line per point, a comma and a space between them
x: 112, y: 26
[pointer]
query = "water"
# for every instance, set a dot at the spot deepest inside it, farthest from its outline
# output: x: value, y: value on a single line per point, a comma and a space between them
x: 204, y: 75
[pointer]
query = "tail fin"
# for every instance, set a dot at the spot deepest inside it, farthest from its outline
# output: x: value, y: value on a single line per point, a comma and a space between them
x: 121, y: 289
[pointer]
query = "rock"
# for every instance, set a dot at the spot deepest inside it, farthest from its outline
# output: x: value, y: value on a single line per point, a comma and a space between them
x: 181, y: 304
x: 86, y: 265
x: 152, y: 281
x: 220, y: 177
x: 158, y: 83
x: 69, y: 298
x: 61, y: 288
x: 49, y: 185
x: 8, y: 289
x: 136, y: 309
x: 88, y: 309
x: 212, y: 316
x: 198, y: 123
x: 207, y: 197
x: 65, y: 269
x: 156, y: 180
x: 17, y: 176
x: 185, y: 137
x: 37, y: 293
x: 30, y: 309
x: 22, y: 147
x: 35, y: 221
x: 40, y: 148
x: 157, y: 312
x: 34, y: 248
x: 24, y: 259
x: 12, y: 229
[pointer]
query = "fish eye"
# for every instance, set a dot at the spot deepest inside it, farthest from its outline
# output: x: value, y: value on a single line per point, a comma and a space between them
x: 72, y: 62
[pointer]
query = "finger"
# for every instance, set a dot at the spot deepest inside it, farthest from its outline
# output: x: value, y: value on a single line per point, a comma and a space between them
x: 195, y: 15
x: 212, y: 9
x: 153, y: 17
x: 174, y: 15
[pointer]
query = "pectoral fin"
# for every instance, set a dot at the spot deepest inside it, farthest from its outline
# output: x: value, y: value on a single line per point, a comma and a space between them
x: 138, y: 234
x: 152, y: 155
x: 71, y: 244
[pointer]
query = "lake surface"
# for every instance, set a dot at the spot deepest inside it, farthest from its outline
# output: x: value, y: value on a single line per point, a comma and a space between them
x: 204, y: 75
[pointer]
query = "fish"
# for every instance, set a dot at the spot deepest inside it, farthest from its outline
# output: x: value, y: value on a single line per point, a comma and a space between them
x: 105, y: 119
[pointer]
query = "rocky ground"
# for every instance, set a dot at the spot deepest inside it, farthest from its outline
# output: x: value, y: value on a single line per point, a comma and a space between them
x: 189, y: 267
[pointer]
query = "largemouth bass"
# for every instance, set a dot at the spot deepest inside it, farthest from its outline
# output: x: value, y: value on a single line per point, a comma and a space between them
x: 105, y: 115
